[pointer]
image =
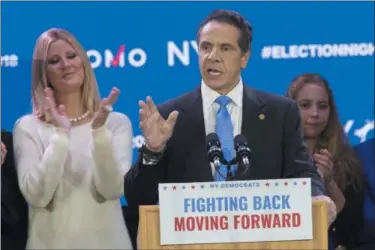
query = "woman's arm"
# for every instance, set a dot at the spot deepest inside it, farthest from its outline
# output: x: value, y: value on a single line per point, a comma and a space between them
x: 336, y: 195
x: 39, y: 170
x: 112, y: 153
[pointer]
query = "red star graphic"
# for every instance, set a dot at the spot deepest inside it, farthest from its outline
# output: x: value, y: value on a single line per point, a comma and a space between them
x: 267, y: 184
x: 193, y: 187
x: 174, y: 187
x: 286, y: 183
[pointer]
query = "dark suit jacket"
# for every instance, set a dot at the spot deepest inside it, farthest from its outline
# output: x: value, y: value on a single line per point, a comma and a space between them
x: 276, y: 142
x: 366, y: 154
x: 14, y: 209
x: 349, y: 222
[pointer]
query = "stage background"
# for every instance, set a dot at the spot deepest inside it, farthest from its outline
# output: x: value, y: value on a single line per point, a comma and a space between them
x: 335, y: 39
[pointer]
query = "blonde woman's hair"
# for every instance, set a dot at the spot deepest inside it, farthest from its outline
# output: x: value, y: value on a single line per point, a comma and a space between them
x: 90, y: 97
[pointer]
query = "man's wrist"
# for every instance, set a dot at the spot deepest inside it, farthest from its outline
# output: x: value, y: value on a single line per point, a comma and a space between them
x: 154, y: 150
x: 150, y: 157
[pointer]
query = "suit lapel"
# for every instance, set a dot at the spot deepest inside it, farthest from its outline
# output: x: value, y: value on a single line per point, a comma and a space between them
x: 197, y: 161
x: 252, y: 113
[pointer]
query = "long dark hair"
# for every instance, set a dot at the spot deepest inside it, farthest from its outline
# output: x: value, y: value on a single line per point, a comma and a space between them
x: 348, y: 168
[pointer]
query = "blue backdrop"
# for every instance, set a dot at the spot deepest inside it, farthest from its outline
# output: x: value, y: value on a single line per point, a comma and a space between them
x: 156, y: 41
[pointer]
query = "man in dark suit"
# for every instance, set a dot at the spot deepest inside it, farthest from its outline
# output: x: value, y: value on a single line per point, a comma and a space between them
x: 175, y: 132
x: 14, y: 210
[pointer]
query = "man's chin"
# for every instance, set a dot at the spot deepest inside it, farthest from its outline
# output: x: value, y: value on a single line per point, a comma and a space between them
x: 215, y: 83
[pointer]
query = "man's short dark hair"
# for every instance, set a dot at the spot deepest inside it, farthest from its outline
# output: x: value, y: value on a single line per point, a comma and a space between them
x: 235, y: 19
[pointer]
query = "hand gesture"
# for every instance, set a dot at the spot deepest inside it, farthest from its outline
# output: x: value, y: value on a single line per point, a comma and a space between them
x: 156, y: 129
x: 324, y: 163
x: 56, y: 116
x: 3, y: 153
x: 105, y: 107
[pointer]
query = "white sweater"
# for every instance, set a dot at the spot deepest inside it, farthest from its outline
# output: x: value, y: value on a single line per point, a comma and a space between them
x: 73, y: 182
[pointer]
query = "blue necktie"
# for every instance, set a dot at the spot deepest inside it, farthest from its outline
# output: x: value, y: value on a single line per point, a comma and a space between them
x: 224, y: 129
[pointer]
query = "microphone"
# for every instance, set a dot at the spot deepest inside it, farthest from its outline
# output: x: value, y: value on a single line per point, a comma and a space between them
x: 214, y: 152
x: 243, y: 152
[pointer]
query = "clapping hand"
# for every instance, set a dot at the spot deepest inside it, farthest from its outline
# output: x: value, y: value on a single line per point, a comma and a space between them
x: 156, y: 129
x: 105, y: 107
x: 56, y: 116
x: 324, y: 163
x: 3, y: 153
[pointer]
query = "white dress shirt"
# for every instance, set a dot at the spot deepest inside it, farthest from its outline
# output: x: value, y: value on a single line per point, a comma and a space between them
x: 210, y: 109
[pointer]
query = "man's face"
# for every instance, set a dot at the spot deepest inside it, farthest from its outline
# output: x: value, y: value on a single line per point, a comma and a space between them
x: 220, y: 57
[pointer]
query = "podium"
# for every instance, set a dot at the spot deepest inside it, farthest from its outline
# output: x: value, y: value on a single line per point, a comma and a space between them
x: 149, y: 233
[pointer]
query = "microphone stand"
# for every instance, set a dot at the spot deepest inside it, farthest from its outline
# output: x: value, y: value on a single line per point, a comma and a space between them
x: 230, y: 175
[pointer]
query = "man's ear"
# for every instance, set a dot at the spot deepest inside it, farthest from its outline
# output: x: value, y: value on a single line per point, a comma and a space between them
x: 245, y: 59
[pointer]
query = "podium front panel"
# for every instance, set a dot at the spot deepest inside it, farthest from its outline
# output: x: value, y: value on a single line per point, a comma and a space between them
x: 149, y: 233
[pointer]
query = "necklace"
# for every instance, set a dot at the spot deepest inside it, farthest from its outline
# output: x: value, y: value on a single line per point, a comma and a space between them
x: 79, y: 118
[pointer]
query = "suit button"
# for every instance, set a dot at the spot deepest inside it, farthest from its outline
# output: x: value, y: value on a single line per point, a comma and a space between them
x: 334, y: 229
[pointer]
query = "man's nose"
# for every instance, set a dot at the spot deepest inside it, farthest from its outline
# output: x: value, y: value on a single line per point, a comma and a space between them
x: 214, y: 55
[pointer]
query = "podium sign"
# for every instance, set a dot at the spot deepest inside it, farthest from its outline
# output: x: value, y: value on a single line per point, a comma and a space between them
x: 236, y: 211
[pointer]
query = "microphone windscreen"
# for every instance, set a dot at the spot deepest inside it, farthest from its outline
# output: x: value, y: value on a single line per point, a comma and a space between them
x: 239, y: 140
x: 211, y: 138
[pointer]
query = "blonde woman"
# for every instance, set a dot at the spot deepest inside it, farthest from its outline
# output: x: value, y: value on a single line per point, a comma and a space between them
x: 72, y: 152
